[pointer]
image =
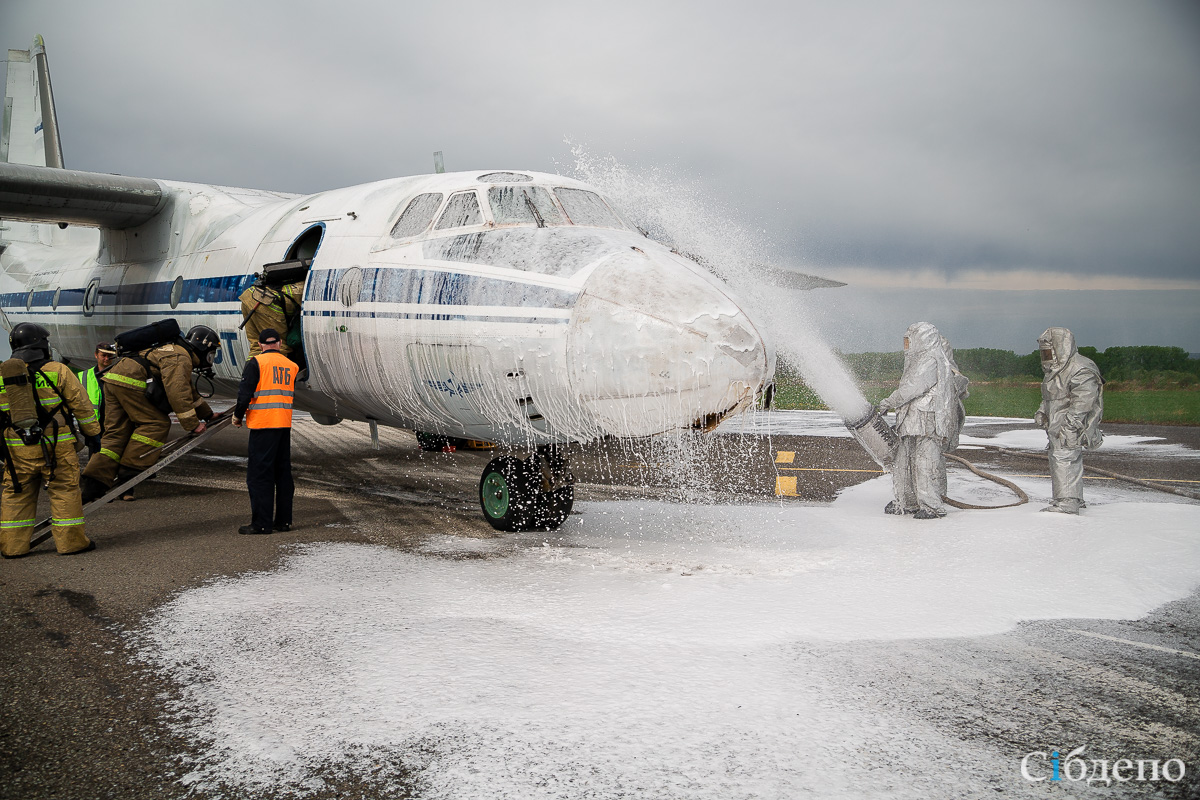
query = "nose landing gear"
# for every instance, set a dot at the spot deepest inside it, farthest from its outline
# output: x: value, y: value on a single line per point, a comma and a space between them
x: 535, y: 494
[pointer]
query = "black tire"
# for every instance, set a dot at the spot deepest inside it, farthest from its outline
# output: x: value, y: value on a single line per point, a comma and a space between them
x: 506, y: 494
x: 552, y: 509
x: 431, y: 442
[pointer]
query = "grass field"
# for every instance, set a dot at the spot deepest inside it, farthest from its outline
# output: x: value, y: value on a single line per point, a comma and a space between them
x: 1005, y: 399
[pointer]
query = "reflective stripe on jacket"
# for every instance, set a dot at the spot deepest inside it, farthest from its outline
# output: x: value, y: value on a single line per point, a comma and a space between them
x: 77, y: 404
x: 271, y: 404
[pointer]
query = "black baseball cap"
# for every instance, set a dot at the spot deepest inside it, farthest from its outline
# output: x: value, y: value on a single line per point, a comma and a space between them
x: 268, y: 336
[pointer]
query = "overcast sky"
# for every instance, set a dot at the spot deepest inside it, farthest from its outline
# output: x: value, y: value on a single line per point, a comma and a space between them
x: 931, y: 154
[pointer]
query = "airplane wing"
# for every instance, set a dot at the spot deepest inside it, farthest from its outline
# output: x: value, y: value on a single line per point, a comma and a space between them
x: 781, y: 276
x: 67, y: 196
x: 792, y: 279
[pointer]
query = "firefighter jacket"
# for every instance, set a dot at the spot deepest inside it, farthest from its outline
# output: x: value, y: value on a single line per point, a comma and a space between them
x: 927, y: 400
x: 172, y: 364
x: 266, y: 392
x: 54, y: 376
x: 1072, y: 394
x: 267, y: 307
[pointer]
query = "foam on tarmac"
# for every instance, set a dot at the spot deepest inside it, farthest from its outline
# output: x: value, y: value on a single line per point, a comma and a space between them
x: 648, y: 649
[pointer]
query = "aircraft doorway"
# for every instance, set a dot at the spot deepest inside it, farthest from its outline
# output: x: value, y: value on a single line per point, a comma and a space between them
x: 276, y: 298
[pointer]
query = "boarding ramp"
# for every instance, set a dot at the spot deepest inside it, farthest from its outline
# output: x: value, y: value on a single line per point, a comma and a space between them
x: 171, y: 452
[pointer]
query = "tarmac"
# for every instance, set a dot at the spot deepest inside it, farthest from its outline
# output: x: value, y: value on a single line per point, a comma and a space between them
x: 82, y: 717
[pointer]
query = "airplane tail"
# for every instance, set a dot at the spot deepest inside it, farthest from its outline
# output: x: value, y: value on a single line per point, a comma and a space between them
x: 30, y: 128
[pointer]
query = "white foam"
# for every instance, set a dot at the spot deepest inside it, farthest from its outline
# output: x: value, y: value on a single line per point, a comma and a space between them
x: 1028, y: 438
x: 646, y: 650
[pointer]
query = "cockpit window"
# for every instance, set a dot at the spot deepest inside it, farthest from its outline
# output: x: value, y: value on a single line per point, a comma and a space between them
x: 504, y: 177
x: 417, y: 216
x: 587, y: 208
x: 530, y: 205
x: 463, y: 209
x: 561, y: 250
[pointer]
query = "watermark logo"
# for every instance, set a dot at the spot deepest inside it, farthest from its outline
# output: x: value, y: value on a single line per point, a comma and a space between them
x: 1042, y: 766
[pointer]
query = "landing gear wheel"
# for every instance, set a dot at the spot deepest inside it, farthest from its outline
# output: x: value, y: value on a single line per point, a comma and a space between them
x: 506, y: 494
x: 431, y: 442
x: 551, y: 509
x: 511, y: 496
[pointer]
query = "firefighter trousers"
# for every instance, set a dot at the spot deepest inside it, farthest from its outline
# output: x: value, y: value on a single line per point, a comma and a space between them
x: 919, y: 473
x: 134, y: 434
x: 18, y: 509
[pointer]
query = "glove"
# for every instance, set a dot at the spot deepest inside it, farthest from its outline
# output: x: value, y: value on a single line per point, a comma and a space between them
x: 93, y: 444
x: 884, y: 406
x: 1040, y: 419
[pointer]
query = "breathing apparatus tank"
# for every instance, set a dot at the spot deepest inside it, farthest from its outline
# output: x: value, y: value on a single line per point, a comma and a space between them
x: 876, y: 436
x: 22, y: 400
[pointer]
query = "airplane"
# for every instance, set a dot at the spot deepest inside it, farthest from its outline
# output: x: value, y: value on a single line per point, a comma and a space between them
x: 511, y: 306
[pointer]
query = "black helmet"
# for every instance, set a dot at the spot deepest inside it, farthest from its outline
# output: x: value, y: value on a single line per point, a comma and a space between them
x: 203, y: 341
x: 30, y: 342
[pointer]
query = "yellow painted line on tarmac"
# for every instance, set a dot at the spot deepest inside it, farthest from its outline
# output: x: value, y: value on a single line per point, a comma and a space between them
x: 785, y: 486
x: 785, y: 457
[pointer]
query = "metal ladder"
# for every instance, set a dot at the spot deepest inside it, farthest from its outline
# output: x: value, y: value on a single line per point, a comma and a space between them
x: 170, y: 452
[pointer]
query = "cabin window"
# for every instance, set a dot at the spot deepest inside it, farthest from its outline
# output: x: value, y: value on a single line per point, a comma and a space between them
x: 530, y: 205
x: 587, y: 208
x: 91, y: 297
x: 462, y: 210
x: 417, y: 216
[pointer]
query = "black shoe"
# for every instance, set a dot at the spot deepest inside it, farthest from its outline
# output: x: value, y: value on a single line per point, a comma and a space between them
x: 90, y: 547
x: 894, y: 508
x: 283, y: 528
x: 925, y: 513
x: 250, y: 530
x: 125, y: 473
x: 91, y: 489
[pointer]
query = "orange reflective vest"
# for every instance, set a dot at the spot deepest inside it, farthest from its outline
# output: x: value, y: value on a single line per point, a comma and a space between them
x: 271, y: 404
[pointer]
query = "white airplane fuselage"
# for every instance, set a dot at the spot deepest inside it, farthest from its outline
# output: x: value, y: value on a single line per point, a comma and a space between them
x: 500, y: 319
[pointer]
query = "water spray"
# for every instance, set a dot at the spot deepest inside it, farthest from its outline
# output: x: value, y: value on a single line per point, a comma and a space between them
x: 685, y: 216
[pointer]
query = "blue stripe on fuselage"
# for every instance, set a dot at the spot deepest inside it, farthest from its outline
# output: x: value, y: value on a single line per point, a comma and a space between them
x: 380, y: 285
x: 198, y: 290
x: 439, y: 288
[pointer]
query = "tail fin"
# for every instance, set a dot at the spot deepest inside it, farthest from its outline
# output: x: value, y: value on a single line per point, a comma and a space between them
x: 30, y: 128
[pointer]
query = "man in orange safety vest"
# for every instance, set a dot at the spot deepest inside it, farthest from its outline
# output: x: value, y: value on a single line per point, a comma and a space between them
x: 265, y: 403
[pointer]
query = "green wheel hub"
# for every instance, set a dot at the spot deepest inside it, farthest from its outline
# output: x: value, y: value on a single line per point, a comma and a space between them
x: 494, y: 495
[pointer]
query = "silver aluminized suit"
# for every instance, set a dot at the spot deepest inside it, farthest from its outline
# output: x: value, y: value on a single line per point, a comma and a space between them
x: 1071, y: 410
x: 959, y: 383
x: 927, y: 419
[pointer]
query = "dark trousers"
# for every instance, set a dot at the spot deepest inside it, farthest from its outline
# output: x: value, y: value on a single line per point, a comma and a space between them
x: 269, y: 477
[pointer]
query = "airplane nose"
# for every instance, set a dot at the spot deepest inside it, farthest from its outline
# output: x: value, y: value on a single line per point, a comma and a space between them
x: 657, y: 344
